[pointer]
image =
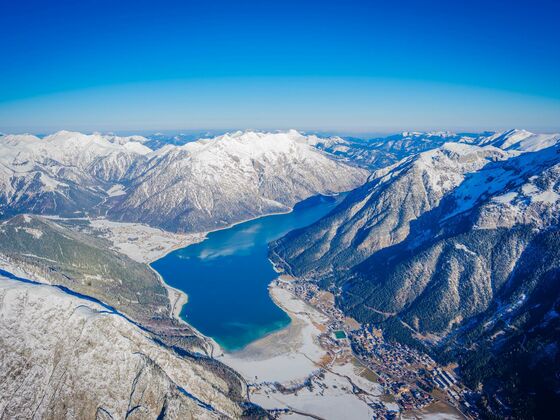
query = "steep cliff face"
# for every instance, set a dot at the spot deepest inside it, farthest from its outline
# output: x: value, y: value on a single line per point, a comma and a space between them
x: 63, y: 357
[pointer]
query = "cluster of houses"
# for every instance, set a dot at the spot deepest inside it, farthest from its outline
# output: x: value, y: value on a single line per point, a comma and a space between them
x: 405, y: 373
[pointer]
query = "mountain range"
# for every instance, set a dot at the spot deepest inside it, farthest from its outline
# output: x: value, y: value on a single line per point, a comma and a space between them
x: 454, y: 250
x: 447, y: 242
x: 198, y: 186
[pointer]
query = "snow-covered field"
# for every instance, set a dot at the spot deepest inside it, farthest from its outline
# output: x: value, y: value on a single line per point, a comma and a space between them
x: 292, y: 355
x: 330, y: 398
x: 141, y: 242
x: 288, y: 355
x: 145, y: 244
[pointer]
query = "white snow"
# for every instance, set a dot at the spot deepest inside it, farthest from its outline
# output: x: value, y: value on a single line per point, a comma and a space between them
x: 143, y: 243
x: 69, y: 355
x: 529, y: 189
x: 462, y: 247
x: 548, y: 196
x: 116, y: 190
x: 506, y: 198
x: 289, y: 357
x: 36, y: 233
x: 331, y: 399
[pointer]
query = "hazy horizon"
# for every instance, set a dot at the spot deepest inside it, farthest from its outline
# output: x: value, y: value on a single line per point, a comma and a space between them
x: 208, y: 133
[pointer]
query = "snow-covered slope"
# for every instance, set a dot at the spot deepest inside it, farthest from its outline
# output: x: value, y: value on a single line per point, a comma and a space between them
x: 521, y: 140
x: 214, y: 182
x: 378, y: 214
x: 201, y: 185
x: 525, y: 189
x: 62, y: 173
x: 66, y: 357
x: 459, y: 258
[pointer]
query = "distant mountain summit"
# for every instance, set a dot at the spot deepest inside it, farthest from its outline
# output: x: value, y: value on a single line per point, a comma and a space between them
x: 214, y: 182
x: 197, y: 186
x: 521, y: 140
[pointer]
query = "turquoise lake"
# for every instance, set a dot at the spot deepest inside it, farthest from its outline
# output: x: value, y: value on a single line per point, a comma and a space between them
x: 226, y: 277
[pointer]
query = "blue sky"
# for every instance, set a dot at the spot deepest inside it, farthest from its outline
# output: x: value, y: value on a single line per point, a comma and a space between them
x: 348, y: 66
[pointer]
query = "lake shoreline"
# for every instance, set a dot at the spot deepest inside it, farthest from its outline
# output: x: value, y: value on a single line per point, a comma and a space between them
x: 272, y: 348
x: 173, y: 277
x: 178, y: 298
x: 181, y: 298
x: 278, y: 368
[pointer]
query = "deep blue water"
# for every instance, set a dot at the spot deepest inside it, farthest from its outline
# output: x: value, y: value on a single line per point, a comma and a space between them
x: 226, y: 277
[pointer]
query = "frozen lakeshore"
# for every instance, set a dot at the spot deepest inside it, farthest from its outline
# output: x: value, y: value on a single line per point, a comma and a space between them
x: 289, y: 369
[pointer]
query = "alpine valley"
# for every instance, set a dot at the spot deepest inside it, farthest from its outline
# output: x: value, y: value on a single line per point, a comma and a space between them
x: 417, y: 275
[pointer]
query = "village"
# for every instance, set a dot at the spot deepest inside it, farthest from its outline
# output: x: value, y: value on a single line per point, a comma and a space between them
x: 410, y: 378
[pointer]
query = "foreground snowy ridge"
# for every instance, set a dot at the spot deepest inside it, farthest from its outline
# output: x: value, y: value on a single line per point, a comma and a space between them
x: 69, y: 357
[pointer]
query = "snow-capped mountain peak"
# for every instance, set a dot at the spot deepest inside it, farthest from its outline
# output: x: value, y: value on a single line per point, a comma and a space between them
x: 210, y: 182
x: 201, y: 184
x: 521, y: 140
